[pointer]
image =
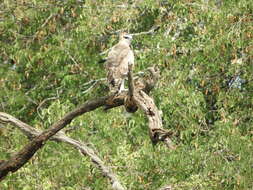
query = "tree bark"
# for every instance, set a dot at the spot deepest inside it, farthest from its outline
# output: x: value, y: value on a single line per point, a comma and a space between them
x: 31, y: 132
x: 138, y: 98
x: 146, y: 104
x: 20, y: 158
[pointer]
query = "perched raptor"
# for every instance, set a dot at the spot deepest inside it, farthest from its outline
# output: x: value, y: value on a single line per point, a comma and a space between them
x: 119, y: 57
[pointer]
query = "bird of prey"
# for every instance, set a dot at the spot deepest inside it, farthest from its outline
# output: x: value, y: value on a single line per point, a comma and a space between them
x: 119, y: 58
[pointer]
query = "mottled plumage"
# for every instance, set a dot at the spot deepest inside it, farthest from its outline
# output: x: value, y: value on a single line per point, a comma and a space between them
x: 119, y: 57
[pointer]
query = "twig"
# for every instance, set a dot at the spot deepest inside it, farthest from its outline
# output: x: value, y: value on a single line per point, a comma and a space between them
x: 92, y: 81
x: 93, y: 84
x: 117, y: 31
x: 167, y: 187
x: 87, y: 90
x: 73, y: 59
x: 30, y: 99
x: 43, y: 25
x: 151, y: 31
x: 43, y: 102
x: 105, y: 52
x: 31, y: 132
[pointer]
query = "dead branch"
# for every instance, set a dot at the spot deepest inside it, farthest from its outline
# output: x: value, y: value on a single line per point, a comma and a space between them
x: 42, y: 103
x: 151, y: 31
x: 130, y: 81
x: 146, y: 104
x: 129, y: 102
x: 145, y: 83
x: 142, y: 100
x: 156, y: 132
x: 20, y: 158
x: 31, y: 132
x: 167, y: 187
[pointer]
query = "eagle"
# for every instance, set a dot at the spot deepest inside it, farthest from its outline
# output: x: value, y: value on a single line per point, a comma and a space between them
x: 119, y: 58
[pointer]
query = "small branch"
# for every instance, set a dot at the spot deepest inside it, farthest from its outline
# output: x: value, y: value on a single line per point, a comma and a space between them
x: 71, y: 57
x: 31, y: 132
x: 31, y: 100
x: 88, y: 89
x: 167, y: 187
x: 43, y: 25
x: 105, y: 52
x: 93, y: 81
x: 43, y: 102
x: 151, y: 31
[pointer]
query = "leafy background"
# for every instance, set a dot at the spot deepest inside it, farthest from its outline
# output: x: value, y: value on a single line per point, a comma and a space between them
x: 50, y: 50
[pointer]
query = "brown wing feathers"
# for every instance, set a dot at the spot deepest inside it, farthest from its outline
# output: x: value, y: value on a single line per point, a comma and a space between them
x: 117, y: 65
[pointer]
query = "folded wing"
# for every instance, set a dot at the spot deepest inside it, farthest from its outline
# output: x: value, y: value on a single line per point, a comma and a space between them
x: 118, y: 60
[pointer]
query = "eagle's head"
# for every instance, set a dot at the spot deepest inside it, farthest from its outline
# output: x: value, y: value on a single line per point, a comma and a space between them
x: 127, y: 37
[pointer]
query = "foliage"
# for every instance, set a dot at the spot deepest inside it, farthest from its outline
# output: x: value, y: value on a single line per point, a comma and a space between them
x: 50, y: 50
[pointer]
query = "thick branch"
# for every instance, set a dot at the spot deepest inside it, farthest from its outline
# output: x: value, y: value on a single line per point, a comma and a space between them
x: 145, y: 85
x: 146, y: 104
x: 19, y: 159
x: 129, y: 102
x: 130, y: 81
x: 60, y: 137
x: 156, y: 131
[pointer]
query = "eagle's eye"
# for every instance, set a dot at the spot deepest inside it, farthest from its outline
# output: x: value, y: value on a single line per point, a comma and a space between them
x: 128, y: 37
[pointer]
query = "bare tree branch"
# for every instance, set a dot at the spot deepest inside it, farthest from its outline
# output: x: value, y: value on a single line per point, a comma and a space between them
x: 43, y: 102
x: 141, y: 99
x: 130, y: 81
x: 105, y: 52
x: 167, y: 187
x: 146, y: 104
x: 151, y: 31
x: 20, y: 158
x: 31, y: 132
x: 90, y: 88
x: 156, y: 132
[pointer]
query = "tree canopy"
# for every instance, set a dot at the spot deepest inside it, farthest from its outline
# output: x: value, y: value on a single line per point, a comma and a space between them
x: 50, y: 54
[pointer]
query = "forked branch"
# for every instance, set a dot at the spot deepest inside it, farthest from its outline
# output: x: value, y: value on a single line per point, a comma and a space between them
x: 139, y: 93
x: 138, y: 98
x: 31, y: 132
x: 20, y: 158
